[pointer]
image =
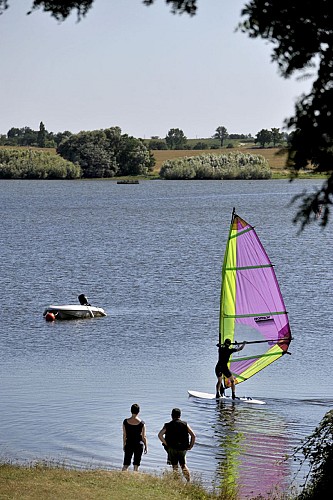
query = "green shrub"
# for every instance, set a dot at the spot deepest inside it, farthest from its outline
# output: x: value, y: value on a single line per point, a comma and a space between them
x: 35, y: 164
x: 210, y: 166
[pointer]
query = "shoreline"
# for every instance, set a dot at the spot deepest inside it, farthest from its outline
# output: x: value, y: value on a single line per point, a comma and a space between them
x: 51, y: 481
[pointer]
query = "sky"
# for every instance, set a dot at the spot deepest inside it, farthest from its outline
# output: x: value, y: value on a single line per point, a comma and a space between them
x: 142, y: 69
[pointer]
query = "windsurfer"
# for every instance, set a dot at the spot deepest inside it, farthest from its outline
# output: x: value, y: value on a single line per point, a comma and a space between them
x: 221, y: 367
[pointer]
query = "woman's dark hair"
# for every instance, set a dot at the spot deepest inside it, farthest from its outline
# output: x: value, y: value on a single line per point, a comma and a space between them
x: 135, y: 409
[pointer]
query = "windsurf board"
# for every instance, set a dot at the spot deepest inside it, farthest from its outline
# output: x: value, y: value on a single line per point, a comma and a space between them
x: 207, y: 395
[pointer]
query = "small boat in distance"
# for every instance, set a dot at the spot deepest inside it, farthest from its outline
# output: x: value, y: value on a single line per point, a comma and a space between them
x: 73, y: 311
x: 129, y: 181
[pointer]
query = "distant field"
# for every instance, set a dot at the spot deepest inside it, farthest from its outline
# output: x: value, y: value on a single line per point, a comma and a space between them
x: 276, y: 162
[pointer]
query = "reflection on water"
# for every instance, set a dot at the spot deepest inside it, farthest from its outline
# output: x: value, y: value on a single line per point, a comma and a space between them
x: 231, y: 445
x: 250, y: 446
x: 151, y: 256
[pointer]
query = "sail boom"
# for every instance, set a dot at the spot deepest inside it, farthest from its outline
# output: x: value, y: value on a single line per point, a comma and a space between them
x: 280, y: 341
x: 248, y: 267
x: 255, y: 315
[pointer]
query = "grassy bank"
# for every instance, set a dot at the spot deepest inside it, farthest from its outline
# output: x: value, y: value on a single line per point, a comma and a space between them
x: 51, y: 483
x: 48, y: 482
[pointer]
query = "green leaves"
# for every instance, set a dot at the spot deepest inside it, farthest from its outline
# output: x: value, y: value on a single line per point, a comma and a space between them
x: 317, y: 451
x: 210, y: 166
x: 106, y: 153
x: 34, y: 164
x: 176, y: 139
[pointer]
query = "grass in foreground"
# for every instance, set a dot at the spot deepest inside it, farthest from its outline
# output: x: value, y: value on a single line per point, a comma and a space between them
x: 43, y: 482
x: 54, y: 483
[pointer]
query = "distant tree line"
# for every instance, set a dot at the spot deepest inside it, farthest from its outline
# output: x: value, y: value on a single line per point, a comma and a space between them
x: 95, y: 154
x: 175, y: 139
x: 25, y: 136
x: 108, y: 152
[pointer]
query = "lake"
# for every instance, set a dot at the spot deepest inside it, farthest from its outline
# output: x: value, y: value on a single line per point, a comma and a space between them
x: 151, y: 256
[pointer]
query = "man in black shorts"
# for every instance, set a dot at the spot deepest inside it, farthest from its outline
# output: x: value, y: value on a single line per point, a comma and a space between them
x: 221, y: 367
x: 175, y: 439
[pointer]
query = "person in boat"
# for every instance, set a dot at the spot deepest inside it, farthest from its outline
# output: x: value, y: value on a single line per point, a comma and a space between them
x: 318, y: 211
x: 175, y: 439
x: 134, y: 439
x: 222, y: 368
x: 83, y: 300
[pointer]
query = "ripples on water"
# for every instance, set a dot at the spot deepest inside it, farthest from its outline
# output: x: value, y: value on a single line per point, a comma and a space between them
x: 151, y: 255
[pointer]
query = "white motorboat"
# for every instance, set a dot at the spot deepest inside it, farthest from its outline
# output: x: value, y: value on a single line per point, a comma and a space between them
x: 73, y: 311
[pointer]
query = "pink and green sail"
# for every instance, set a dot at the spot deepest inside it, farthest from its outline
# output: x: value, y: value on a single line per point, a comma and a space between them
x: 252, y: 308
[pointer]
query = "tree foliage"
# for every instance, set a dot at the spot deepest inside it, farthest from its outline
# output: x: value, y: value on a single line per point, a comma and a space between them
x: 61, y: 9
x: 92, y: 151
x: 200, y: 145
x: 106, y: 153
x: 317, y: 451
x: 176, y: 139
x: 212, y: 166
x: 133, y: 157
x: 58, y: 9
x: 302, y: 35
x: 221, y: 134
x: 41, y: 136
x: 27, y: 163
x: 277, y: 136
x: 25, y: 136
x: 263, y: 137
x: 179, y: 6
x: 157, y: 144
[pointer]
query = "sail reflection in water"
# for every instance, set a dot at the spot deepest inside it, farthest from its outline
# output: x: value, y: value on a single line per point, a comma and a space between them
x: 250, y: 440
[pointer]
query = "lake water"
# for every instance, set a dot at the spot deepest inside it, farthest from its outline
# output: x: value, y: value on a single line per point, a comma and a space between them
x: 151, y: 256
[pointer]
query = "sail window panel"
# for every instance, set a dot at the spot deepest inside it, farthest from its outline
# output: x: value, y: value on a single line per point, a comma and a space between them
x: 254, y: 350
x: 257, y: 297
x: 249, y: 367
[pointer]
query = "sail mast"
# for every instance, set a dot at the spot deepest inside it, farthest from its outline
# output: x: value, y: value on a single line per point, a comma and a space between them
x: 222, y: 302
